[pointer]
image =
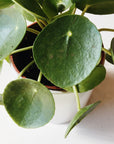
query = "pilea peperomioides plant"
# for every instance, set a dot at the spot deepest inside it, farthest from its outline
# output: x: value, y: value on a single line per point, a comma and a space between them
x: 67, y: 51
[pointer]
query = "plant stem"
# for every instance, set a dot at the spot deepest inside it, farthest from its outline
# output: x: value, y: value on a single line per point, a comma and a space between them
x: 85, y: 9
x: 106, y: 29
x: 22, y: 72
x: 77, y: 97
x: 22, y: 49
x: 40, y: 77
x: 107, y: 51
x: 39, y: 23
x: 1, y: 99
x: 43, y: 22
x: 74, y: 10
x: 33, y: 31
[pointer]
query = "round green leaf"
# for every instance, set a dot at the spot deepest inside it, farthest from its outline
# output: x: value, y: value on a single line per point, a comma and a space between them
x: 96, y: 6
x: 5, y: 3
x: 26, y: 14
x: 67, y: 50
x: 94, y: 79
x: 32, y: 6
x: 80, y: 115
x: 29, y: 103
x: 12, y: 30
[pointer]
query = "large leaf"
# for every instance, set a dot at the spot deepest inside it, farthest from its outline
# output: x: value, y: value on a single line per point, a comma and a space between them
x: 108, y: 57
x: 94, y: 79
x: 67, y: 50
x: 80, y: 115
x: 12, y: 30
x: 5, y: 3
x: 32, y: 6
x: 52, y: 7
x: 29, y: 103
x: 96, y: 6
x: 26, y: 14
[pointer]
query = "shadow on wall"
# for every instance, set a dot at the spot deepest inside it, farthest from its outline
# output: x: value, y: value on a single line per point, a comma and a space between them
x: 100, y: 122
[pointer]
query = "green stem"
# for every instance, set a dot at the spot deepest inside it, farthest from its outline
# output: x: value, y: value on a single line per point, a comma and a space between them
x: 107, y: 51
x: 22, y: 72
x: 106, y: 29
x: 40, y: 77
x: 33, y: 31
x: 74, y: 10
x: 22, y: 49
x: 39, y: 23
x: 77, y: 97
x: 1, y: 99
x: 43, y: 22
x: 85, y: 9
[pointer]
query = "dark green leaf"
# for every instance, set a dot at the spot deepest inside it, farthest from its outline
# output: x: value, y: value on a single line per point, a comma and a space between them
x: 26, y: 14
x: 32, y: 6
x: 67, y: 50
x: 29, y: 103
x: 12, y: 30
x: 112, y: 49
x: 80, y: 115
x: 108, y: 57
x: 52, y: 7
x: 94, y: 79
x: 96, y: 6
x: 5, y: 3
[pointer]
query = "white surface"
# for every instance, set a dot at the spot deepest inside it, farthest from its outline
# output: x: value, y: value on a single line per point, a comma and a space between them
x: 65, y: 105
x: 96, y: 128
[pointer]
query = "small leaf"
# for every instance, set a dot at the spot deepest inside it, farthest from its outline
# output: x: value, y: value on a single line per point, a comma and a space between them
x: 29, y: 103
x: 5, y: 3
x: 12, y: 30
x: 94, y: 79
x: 112, y: 49
x: 80, y: 115
x: 32, y: 6
x: 67, y: 50
x: 109, y: 58
x: 96, y: 6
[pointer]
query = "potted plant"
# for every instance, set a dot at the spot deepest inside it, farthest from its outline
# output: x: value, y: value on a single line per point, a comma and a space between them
x: 67, y: 50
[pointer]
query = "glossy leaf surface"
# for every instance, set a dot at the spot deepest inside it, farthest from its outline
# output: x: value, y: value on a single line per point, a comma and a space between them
x: 26, y: 14
x: 12, y: 30
x: 67, y: 50
x: 5, y: 3
x: 32, y: 6
x: 29, y: 103
x: 80, y: 115
x: 94, y: 79
x: 96, y: 6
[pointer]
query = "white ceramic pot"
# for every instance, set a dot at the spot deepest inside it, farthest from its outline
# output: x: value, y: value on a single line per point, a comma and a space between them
x: 65, y: 105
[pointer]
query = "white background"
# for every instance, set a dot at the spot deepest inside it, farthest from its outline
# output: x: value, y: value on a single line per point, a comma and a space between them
x: 96, y: 128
